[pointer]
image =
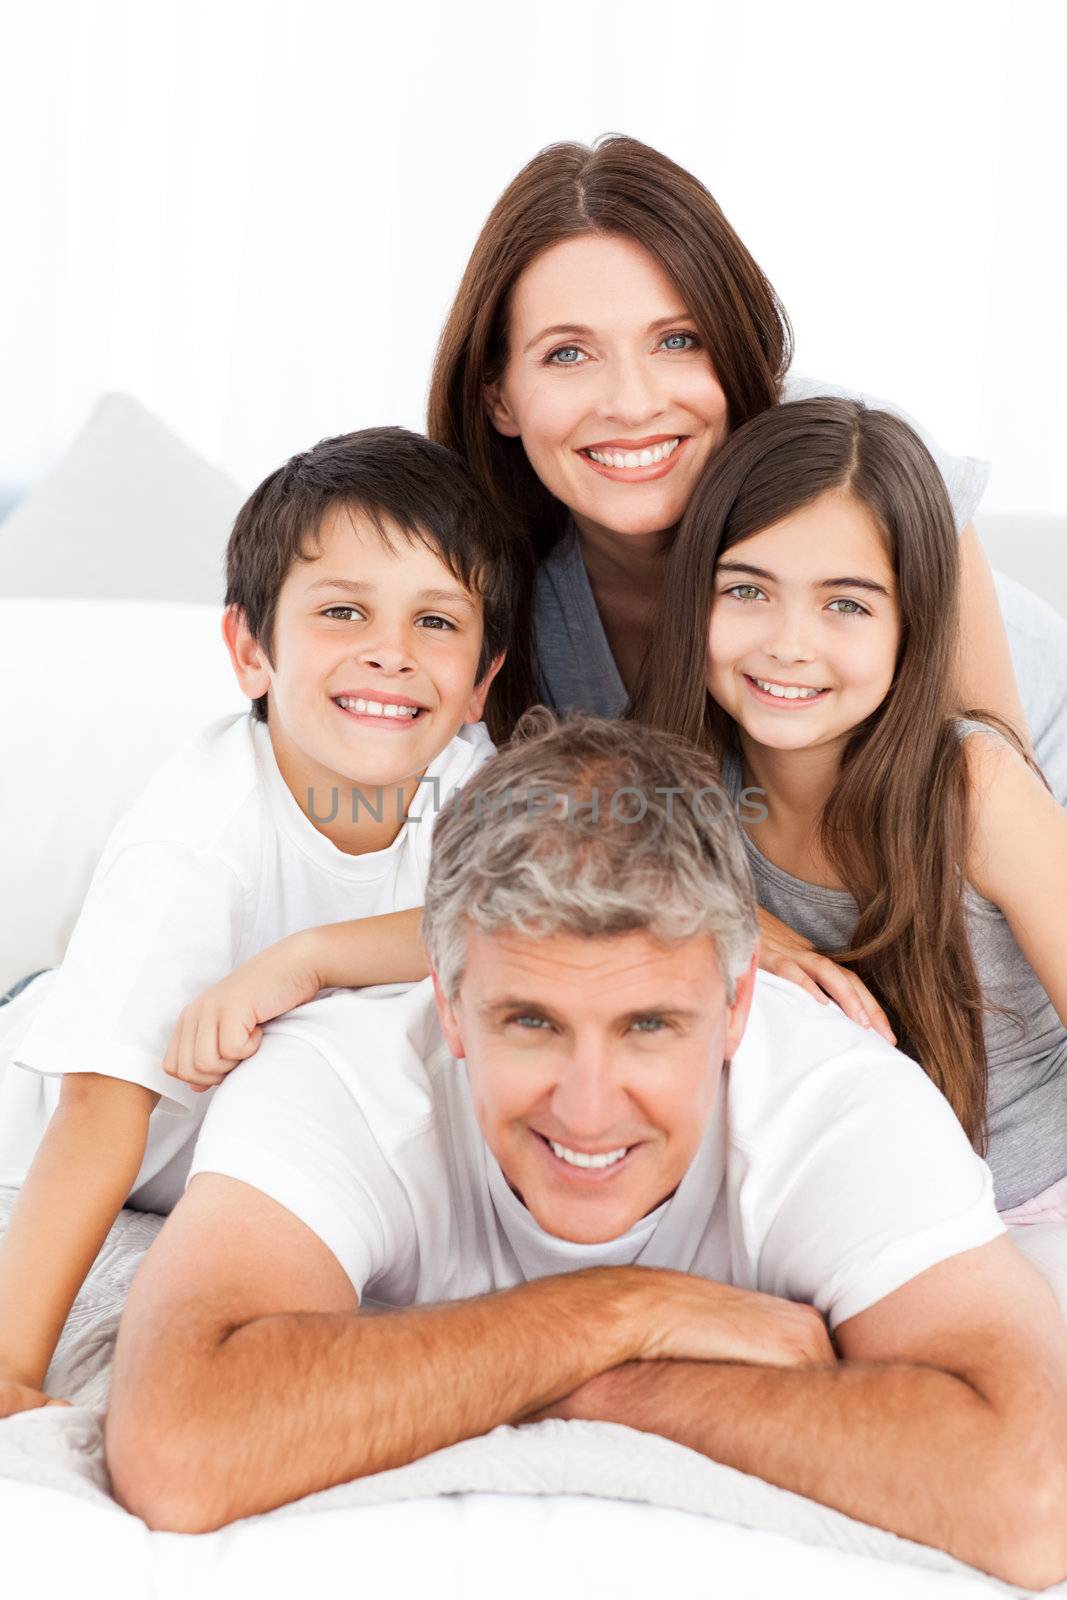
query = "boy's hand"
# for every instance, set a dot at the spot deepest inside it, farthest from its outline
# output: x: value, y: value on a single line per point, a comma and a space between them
x: 16, y: 1396
x: 223, y: 1026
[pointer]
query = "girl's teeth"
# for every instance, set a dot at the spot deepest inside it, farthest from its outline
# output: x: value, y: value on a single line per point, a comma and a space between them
x: 577, y: 1158
x: 780, y: 692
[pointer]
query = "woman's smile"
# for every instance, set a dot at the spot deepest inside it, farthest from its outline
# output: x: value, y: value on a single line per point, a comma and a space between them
x: 635, y: 461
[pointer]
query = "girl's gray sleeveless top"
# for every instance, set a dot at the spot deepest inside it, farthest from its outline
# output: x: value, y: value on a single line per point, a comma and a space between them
x: 1027, y: 1060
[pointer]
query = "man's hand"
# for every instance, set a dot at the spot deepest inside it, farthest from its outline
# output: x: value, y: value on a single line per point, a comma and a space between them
x: 686, y: 1318
x: 16, y: 1396
x: 785, y: 953
x: 224, y: 1026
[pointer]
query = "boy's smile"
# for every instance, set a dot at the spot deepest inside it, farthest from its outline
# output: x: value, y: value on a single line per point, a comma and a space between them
x: 375, y: 653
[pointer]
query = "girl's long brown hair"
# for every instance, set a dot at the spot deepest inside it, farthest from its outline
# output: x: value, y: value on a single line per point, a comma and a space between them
x: 895, y: 828
x: 617, y: 186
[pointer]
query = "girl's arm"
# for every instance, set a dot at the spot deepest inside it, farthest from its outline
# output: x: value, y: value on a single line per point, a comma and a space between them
x: 789, y: 955
x: 224, y: 1026
x: 82, y: 1173
x: 1018, y: 856
x: 985, y: 675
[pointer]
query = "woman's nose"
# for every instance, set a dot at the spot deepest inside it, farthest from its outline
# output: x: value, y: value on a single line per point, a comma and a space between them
x: 630, y: 393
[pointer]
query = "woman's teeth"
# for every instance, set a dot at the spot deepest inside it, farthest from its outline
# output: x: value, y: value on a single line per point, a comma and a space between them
x: 634, y: 458
x: 378, y: 708
x: 577, y: 1158
x: 781, y: 692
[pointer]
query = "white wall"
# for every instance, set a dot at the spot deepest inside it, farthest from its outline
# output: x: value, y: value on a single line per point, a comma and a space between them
x: 253, y: 213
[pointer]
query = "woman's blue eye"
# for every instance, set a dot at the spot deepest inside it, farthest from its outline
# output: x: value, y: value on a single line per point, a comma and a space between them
x: 567, y: 355
x: 857, y: 609
x: 680, y: 341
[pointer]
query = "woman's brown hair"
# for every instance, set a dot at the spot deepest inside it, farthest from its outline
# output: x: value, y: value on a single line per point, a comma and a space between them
x: 895, y: 828
x: 617, y: 186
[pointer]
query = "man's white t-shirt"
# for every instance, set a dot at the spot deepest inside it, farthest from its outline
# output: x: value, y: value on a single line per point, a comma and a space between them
x: 212, y: 863
x: 832, y: 1171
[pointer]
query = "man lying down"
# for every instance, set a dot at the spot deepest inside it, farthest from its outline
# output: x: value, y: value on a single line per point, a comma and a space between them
x: 624, y: 1177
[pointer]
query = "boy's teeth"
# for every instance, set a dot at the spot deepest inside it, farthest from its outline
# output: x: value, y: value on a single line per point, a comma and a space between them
x: 782, y: 693
x: 376, y: 708
x: 577, y: 1158
x: 635, y: 458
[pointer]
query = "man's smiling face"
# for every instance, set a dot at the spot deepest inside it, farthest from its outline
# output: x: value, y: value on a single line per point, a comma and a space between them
x: 594, y: 1066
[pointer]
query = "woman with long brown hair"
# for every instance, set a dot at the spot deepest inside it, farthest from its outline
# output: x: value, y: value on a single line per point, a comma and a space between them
x: 812, y: 596
x: 610, y: 331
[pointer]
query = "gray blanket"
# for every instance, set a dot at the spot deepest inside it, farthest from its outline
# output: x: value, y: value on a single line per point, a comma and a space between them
x: 63, y: 1449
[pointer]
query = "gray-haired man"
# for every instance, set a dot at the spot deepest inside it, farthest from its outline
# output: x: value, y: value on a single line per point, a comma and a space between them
x: 632, y: 1182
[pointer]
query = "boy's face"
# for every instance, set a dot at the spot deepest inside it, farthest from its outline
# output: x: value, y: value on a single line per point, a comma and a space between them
x: 365, y: 635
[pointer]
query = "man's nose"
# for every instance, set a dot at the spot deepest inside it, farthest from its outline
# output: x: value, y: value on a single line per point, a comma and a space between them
x: 589, y: 1101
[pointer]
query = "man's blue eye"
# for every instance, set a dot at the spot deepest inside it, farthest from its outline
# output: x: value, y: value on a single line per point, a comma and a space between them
x: 650, y: 1024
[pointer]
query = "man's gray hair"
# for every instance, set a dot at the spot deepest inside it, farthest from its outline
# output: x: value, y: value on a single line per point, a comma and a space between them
x: 591, y: 827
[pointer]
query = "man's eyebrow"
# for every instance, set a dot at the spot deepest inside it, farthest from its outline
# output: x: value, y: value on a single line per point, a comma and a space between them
x: 533, y: 1008
x: 583, y: 332
x: 451, y: 597
x: 822, y: 583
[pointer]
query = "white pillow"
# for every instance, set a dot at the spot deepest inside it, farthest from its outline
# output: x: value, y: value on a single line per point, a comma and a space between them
x: 129, y: 513
x: 97, y: 694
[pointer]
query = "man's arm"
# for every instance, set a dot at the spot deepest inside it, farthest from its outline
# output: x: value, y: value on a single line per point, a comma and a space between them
x: 945, y: 1422
x: 245, y: 1375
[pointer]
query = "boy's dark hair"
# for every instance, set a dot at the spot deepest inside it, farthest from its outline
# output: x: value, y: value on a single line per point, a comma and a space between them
x: 391, y: 476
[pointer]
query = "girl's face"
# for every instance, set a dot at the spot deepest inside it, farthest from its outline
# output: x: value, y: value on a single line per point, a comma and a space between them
x: 805, y: 626
x: 608, y: 386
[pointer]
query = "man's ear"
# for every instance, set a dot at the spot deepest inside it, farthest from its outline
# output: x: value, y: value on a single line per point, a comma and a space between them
x: 500, y: 413
x: 251, y: 665
x: 737, y: 1014
x: 449, y: 1025
x: 480, y: 692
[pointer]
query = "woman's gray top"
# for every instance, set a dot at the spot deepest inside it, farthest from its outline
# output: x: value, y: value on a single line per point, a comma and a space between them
x: 577, y: 670
x: 1027, y: 1060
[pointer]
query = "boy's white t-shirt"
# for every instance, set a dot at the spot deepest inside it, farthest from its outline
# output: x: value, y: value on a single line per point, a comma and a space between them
x: 212, y: 863
x: 831, y: 1173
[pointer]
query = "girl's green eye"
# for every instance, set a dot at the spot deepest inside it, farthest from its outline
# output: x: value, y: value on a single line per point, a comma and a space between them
x: 567, y: 356
x: 680, y: 341
x: 856, y: 611
x: 745, y: 591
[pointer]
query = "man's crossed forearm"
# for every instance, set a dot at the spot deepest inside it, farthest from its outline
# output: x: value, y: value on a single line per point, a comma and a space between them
x: 211, y: 1422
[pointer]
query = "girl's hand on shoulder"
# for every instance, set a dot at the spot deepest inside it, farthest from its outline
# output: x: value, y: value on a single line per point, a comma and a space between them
x: 224, y: 1026
x: 16, y: 1396
x: 787, y: 955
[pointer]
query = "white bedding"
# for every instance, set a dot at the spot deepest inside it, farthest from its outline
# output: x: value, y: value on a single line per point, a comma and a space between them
x: 567, y: 1508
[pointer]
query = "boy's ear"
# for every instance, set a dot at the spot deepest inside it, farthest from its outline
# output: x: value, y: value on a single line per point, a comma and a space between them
x: 500, y: 413
x: 250, y: 663
x: 480, y: 692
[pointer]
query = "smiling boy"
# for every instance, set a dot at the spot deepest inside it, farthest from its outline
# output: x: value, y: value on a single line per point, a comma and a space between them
x: 368, y: 601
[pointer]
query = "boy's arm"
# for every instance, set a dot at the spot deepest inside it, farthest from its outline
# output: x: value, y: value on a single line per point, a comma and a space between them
x: 224, y: 1025
x: 81, y: 1175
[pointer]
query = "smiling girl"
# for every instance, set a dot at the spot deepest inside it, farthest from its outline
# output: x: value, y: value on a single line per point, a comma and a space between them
x: 812, y: 593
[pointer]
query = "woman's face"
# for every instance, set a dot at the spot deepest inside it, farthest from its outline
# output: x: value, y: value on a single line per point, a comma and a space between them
x: 608, y: 386
x: 805, y: 626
